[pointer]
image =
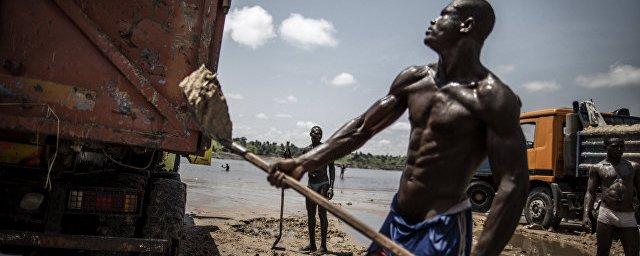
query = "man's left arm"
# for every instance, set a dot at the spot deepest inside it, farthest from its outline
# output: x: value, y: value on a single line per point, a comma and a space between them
x: 332, y: 178
x: 500, y: 109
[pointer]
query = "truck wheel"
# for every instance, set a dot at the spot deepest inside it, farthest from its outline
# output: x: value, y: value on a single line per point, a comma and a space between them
x: 539, y: 207
x: 481, y: 195
x: 164, y: 213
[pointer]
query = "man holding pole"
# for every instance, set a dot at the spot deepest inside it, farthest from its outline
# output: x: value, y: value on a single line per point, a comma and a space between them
x: 322, y: 184
x: 460, y: 113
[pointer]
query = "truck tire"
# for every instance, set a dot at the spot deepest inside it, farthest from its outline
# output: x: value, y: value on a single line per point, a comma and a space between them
x: 164, y: 213
x: 481, y: 195
x: 539, y: 207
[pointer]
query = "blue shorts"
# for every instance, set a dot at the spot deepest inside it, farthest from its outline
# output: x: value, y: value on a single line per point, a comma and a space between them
x: 446, y: 234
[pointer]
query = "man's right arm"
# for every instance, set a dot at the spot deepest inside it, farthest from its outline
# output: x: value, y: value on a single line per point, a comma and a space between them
x: 356, y: 132
x: 589, y: 197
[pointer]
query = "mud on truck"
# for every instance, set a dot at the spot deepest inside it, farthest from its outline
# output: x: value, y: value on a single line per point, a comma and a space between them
x: 562, y: 144
x: 92, y: 122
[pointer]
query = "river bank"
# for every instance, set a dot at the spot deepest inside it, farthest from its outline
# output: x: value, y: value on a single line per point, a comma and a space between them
x: 220, y: 155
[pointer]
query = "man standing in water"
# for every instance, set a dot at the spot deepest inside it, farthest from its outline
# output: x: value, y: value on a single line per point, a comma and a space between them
x: 287, y: 152
x: 460, y: 113
x: 323, y: 184
x: 617, y: 179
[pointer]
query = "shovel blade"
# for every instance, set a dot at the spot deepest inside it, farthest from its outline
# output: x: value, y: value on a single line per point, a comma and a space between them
x: 208, y: 104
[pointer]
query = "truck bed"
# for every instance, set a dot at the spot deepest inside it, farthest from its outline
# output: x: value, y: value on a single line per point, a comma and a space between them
x: 591, y: 148
x: 106, y: 71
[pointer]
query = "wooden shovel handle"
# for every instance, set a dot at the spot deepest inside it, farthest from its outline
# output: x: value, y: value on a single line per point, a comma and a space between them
x: 322, y: 201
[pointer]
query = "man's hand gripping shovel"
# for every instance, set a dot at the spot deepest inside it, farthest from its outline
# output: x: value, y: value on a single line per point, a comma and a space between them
x: 210, y: 110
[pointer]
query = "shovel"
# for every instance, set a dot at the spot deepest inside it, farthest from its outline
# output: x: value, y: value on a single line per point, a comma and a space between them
x: 211, y: 113
x: 275, y: 243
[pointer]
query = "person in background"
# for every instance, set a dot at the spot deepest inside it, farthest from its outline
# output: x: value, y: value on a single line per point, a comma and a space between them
x: 322, y: 183
x: 342, y: 169
x: 617, y: 178
x: 287, y: 151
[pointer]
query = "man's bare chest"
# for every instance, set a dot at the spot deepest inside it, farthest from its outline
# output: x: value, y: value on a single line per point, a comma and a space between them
x: 442, y: 110
x: 611, y: 174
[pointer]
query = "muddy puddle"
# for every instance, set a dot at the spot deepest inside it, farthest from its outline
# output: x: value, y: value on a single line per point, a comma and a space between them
x: 523, y: 245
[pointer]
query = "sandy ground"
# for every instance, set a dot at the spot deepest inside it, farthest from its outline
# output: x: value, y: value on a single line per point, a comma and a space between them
x: 236, y: 213
x: 568, y: 239
x: 231, y: 233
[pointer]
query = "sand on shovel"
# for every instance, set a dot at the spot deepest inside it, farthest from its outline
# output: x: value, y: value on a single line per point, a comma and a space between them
x: 208, y: 104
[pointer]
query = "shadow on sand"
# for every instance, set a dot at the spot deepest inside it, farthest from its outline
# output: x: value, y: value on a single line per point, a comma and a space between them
x: 197, y: 240
x: 283, y: 250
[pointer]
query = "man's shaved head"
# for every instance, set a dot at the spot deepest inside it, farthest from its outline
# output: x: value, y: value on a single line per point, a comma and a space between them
x: 467, y: 20
x: 481, y: 11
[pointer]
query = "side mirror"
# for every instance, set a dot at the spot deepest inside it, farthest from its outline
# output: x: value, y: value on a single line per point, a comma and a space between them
x: 529, y: 144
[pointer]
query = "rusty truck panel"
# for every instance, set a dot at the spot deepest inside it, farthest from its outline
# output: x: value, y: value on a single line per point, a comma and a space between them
x: 106, y: 71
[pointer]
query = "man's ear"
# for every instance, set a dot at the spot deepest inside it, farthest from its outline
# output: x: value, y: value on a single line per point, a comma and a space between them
x: 467, y: 25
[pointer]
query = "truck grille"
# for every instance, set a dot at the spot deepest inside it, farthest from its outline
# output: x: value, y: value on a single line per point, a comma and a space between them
x: 104, y: 200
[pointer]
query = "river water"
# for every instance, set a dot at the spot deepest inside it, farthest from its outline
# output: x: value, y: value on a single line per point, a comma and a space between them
x: 364, y: 193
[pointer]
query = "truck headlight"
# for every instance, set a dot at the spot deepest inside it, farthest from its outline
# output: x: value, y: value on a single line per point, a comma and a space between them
x: 31, y: 201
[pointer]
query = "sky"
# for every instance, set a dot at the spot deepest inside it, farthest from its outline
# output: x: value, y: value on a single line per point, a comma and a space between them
x: 287, y: 65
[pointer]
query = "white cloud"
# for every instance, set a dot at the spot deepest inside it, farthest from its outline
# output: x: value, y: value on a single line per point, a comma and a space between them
x: 542, y: 86
x: 284, y: 116
x: 262, y: 116
x: 401, y: 126
x: 308, y: 33
x: 235, y: 96
x: 505, y: 69
x: 343, y: 79
x: 275, y: 130
x: 384, y: 142
x: 250, y: 26
x: 289, y: 99
x: 305, y: 124
x: 618, y: 76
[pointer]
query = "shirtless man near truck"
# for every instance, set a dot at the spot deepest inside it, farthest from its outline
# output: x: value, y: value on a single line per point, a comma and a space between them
x: 617, y: 179
x: 460, y: 113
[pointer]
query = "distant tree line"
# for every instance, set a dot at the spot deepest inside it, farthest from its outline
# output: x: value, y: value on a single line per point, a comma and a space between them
x: 353, y: 160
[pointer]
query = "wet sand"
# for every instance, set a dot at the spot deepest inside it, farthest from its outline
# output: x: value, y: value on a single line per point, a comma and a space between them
x: 252, y: 235
x: 236, y: 213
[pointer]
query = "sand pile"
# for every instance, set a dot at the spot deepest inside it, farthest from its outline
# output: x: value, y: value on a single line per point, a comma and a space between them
x: 619, y: 129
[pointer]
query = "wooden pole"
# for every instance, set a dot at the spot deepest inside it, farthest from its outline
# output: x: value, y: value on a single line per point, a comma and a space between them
x: 322, y: 201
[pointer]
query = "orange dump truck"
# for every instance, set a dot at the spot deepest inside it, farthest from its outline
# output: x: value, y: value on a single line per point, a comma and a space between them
x: 92, y: 121
x: 562, y: 144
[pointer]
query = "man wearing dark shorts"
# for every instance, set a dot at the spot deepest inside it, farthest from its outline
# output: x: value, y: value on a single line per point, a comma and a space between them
x: 460, y: 114
x: 323, y: 184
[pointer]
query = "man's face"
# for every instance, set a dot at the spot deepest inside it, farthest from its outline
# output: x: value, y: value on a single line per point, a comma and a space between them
x: 615, y: 150
x: 316, y: 135
x: 444, y: 30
